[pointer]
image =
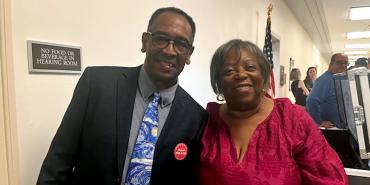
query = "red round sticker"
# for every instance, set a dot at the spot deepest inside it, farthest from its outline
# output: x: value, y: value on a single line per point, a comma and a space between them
x: 180, y: 152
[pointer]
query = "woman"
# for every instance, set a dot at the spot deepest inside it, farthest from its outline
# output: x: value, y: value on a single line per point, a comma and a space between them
x: 299, y: 90
x: 311, y: 75
x: 252, y: 139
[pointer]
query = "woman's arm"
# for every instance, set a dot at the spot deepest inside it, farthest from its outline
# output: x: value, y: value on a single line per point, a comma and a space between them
x: 318, y: 162
x: 303, y: 87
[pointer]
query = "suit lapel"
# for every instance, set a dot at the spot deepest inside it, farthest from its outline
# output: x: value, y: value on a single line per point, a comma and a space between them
x: 126, y: 91
x: 172, y: 124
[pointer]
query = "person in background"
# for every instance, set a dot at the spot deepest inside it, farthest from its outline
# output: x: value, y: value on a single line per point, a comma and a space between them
x: 321, y: 103
x: 253, y: 139
x: 133, y: 125
x: 311, y: 75
x: 298, y: 88
x: 362, y: 62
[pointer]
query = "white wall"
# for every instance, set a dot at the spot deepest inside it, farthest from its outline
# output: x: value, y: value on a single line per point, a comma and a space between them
x: 109, y: 33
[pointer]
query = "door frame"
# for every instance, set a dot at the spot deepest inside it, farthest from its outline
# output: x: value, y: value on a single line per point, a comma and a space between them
x: 9, y: 173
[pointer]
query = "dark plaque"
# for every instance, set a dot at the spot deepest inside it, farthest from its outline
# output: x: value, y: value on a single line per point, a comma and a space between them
x: 282, y: 76
x: 46, y: 57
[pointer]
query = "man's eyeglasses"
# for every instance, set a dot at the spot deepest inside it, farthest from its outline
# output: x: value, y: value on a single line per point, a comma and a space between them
x: 342, y: 63
x: 162, y: 41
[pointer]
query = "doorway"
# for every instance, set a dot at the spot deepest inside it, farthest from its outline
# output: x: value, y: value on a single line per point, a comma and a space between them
x: 276, y: 69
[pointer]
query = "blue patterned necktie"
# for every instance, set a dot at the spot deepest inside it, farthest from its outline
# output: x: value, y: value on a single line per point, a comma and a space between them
x: 140, y: 167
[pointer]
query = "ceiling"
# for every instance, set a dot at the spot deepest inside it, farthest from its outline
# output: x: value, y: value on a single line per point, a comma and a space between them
x: 327, y: 22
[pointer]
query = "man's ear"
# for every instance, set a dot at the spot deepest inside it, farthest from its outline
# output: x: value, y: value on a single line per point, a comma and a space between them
x: 144, y: 41
x: 189, y: 55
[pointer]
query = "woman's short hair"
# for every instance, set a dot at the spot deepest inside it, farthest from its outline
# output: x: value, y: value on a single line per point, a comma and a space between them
x: 295, y: 74
x: 237, y: 45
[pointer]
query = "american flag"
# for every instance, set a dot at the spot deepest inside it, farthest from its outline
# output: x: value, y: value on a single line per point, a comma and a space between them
x: 267, y: 50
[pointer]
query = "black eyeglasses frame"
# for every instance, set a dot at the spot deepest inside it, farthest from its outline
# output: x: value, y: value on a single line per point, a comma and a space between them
x: 162, y: 41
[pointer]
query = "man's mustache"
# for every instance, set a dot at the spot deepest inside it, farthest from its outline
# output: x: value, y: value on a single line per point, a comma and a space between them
x: 171, y: 59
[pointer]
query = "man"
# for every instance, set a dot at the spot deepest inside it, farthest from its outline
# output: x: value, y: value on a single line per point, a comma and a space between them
x: 97, y: 140
x: 321, y: 102
x: 361, y: 62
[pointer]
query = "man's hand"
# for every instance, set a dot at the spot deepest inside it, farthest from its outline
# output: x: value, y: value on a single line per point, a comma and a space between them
x: 327, y: 124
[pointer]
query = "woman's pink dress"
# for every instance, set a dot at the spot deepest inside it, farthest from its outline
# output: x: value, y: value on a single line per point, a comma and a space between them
x: 286, y: 148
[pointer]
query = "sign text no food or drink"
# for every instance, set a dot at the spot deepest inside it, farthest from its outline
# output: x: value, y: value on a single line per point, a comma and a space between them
x: 46, y: 57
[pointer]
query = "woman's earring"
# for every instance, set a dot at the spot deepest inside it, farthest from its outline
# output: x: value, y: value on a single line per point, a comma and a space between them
x: 187, y: 61
x: 220, y: 97
x: 264, y: 91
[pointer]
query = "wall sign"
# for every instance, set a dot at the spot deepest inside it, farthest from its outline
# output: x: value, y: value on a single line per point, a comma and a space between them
x: 282, y: 76
x: 44, y: 57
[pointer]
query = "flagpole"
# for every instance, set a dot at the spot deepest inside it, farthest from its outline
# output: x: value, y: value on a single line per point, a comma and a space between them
x: 269, y: 10
x: 267, y: 50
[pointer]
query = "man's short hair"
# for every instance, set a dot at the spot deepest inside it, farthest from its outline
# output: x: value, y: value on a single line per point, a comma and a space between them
x: 176, y: 11
x: 334, y: 56
x: 361, y: 62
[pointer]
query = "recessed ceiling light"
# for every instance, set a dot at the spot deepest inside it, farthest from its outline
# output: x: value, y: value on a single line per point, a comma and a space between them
x: 356, y: 52
x: 357, y: 46
x: 359, y: 13
x: 358, y: 35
